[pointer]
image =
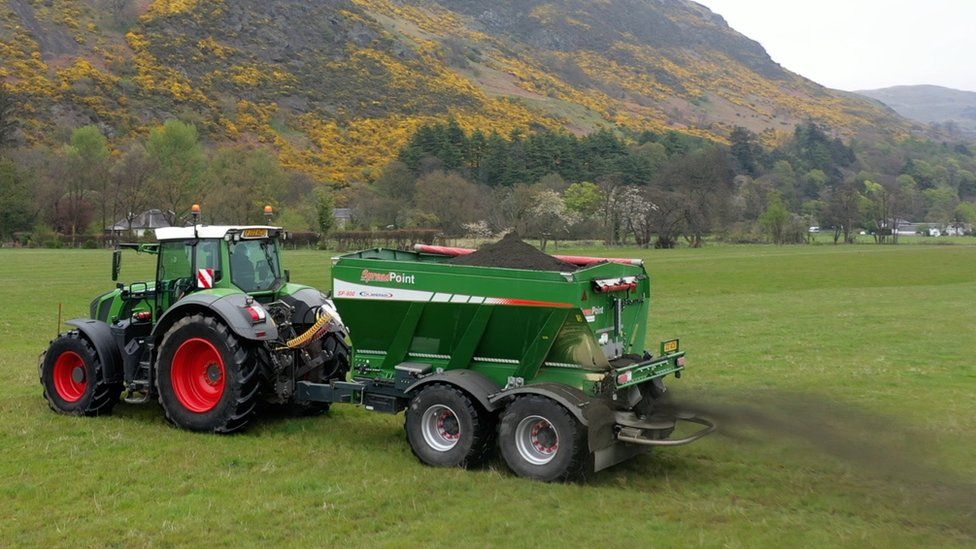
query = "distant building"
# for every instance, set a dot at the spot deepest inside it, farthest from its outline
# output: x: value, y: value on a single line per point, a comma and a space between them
x: 907, y: 228
x: 146, y: 221
x: 342, y: 217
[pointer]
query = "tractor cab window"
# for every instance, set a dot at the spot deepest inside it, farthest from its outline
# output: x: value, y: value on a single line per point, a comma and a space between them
x: 254, y: 265
x: 175, y: 276
x: 175, y: 260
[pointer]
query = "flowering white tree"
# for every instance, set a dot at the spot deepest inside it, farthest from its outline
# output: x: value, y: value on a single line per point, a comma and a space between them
x: 550, y: 217
x: 647, y: 212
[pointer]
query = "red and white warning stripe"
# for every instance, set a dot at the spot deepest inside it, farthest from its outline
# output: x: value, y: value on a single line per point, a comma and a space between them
x: 205, y: 278
x: 349, y: 290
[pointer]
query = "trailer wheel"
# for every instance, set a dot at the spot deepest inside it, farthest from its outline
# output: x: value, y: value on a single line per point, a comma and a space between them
x: 73, y: 378
x: 447, y: 429
x: 540, y: 439
x: 207, y: 379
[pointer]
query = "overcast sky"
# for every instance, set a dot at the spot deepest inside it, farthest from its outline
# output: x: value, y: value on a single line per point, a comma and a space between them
x: 863, y: 44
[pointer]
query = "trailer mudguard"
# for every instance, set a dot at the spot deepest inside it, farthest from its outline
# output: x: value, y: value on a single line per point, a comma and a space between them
x: 595, y: 414
x: 475, y: 384
x: 100, y: 335
x: 229, y: 308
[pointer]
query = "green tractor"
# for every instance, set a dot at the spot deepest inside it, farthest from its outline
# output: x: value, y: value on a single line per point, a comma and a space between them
x: 219, y: 330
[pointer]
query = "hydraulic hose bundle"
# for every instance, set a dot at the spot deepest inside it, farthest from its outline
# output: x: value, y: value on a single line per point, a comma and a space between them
x: 316, y: 332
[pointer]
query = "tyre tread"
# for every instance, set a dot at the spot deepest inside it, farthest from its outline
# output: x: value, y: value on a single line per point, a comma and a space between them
x: 241, y: 413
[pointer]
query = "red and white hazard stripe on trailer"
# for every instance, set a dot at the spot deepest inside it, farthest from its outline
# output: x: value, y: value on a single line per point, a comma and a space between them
x: 205, y: 278
x: 349, y: 290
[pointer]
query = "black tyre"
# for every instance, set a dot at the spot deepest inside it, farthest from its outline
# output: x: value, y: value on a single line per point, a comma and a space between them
x: 540, y: 439
x: 207, y: 379
x: 73, y: 378
x: 446, y: 428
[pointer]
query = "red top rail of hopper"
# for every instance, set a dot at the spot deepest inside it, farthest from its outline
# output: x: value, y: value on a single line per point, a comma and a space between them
x: 580, y: 261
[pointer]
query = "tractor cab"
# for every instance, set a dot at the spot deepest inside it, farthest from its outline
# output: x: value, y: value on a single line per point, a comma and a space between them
x: 231, y: 258
x: 223, y: 259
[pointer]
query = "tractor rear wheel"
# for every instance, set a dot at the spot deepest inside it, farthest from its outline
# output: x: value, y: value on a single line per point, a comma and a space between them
x: 207, y: 379
x: 447, y: 429
x: 73, y: 378
x: 540, y: 439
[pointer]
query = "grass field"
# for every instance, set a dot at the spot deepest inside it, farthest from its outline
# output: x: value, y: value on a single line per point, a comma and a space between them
x: 875, y: 344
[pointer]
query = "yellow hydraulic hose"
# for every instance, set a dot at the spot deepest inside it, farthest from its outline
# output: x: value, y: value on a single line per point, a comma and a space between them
x: 312, y: 333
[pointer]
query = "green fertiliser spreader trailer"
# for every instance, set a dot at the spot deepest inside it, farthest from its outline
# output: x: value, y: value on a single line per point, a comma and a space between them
x: 550, y: 368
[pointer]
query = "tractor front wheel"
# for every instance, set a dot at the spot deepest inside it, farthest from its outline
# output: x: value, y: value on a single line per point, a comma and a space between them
x: 447, y: 429
x: 73, y: 378
x: 540, y: 439
x: 207, y: 379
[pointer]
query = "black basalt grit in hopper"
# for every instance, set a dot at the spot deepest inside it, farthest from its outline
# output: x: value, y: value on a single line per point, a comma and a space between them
x: 512, y: 253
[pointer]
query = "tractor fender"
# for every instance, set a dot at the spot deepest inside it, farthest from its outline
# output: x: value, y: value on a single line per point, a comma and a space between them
x: 477, y: 385
x: 595, y: 414
x: 100, y: 336
x: 228, y: 308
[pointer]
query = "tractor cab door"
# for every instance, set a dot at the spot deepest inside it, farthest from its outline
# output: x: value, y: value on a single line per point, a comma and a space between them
x: 186, y: 266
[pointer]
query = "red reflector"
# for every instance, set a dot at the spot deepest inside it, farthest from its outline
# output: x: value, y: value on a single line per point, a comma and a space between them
x: 143, y: 315
x: 681, y: 361
x: 625, y: 378
x: 257, y: 313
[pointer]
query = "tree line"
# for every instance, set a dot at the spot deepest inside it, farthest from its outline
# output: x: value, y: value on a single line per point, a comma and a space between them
x: 649, y: 189
x: 659, y: 189
x: 77, y: 189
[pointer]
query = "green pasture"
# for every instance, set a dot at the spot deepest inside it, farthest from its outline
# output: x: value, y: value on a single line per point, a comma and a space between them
x: 881, y: 341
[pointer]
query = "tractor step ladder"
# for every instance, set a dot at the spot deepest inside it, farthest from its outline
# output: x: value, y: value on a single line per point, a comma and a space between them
x: 140, y: 390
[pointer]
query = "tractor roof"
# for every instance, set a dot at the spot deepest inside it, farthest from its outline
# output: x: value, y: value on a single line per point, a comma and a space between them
x: 205, y: 231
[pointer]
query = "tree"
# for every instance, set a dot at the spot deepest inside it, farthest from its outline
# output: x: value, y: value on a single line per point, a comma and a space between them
x: 449, y: 200
x: 325, y: 207
x: 612, y: 192
x: 87, y: 157
x: 884, y: 209
x: 746, y: 151
x: 550, y: 217
x: 129, y: 176
x: 669, y: 215
x: 843, y: 211
x: 940, y: 204
x: 776, y: 219
x: 15, y: 196
x: 240, y: 181
x: 392, y: 192
x: 705, y: 180
x: 178, y: 156
x: 583, y: 198
x: 512, y: 208
x: 8, y: 124
x: 965, y: 213
x: 635, y: 212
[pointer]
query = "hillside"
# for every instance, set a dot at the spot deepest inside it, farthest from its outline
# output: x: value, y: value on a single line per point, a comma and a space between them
x: 339, y: 85
x: 931, y: 104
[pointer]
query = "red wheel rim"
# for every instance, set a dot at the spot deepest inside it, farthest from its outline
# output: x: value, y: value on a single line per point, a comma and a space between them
x: 198, y: 375
x: 70, y: 377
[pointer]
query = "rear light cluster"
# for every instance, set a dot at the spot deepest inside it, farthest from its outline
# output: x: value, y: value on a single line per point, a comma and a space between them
x: 625, y: 378
x: 257, y: 313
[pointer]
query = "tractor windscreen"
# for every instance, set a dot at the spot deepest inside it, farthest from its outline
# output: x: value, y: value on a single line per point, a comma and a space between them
x: 254, y: 265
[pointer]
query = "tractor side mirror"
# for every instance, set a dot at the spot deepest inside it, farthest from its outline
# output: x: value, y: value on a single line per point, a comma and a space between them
x: 116, y: 264
x: 287, y: 275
